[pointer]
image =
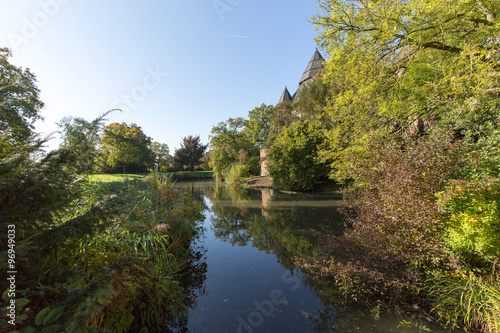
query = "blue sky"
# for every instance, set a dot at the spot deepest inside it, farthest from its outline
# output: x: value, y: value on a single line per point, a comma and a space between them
x: 176, y: 67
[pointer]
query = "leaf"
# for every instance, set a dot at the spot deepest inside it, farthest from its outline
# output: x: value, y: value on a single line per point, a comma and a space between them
x: 41, y: 316
x: 53, y: 315
x: 51, y: 329
x: 5, y: 295
x: 29, y: 329
x: 20, y: 303
x: 21, y: 318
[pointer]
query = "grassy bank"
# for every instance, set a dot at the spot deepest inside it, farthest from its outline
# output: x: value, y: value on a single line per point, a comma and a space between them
x: 181, y: 175
x: 109, y: 261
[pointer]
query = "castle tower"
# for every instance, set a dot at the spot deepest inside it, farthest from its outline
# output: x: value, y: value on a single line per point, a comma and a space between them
x: 286, y: 97
x: 314, y: 67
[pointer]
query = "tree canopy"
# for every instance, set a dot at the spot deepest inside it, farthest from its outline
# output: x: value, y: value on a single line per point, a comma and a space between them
x: 259, y: 122
x: 20, y: 104
x: 395, y: 62
x: 189, y: 155
x: 228, y: 141
x: 126, y: 147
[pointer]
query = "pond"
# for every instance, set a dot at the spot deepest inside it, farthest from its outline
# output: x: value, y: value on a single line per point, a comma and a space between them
x: 243, y: 276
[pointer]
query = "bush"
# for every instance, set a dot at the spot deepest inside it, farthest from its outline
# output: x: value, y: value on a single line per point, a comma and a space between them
x: 293, y: 160
x: 397, y: 228
x: 235, y: 175
x: 474, y: 223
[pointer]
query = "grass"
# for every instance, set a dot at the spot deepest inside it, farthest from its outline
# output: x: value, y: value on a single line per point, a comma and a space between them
x: 115, y: 178
x: 181, y: 175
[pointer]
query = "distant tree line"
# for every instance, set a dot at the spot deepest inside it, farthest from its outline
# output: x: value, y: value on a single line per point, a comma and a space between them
x: 124, y: 148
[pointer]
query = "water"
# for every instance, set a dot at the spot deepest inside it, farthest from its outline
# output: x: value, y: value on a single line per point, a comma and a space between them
x: 244, y: 279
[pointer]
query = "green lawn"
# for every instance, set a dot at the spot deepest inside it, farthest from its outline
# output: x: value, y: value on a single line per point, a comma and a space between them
x: 114, y: 178
x: 182, y: 175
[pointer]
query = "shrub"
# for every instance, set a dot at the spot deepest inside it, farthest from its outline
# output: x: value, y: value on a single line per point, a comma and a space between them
x: 293, y: 162
x: 396, y: 234
x: 474, y: 223
x: 235, y: 175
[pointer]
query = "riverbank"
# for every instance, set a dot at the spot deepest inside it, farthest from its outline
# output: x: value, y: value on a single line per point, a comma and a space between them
x: 181, y: 175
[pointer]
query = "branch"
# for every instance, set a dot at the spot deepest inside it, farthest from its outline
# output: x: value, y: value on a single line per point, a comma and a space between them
x: 441, y: 46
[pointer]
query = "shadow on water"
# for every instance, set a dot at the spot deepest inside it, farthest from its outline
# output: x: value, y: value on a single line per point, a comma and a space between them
x: 242, y: 274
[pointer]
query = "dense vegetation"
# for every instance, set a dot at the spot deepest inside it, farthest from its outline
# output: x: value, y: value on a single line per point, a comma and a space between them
x: 88, y: 256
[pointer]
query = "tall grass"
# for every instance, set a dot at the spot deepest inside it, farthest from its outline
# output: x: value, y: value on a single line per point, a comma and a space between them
x: 469, y: 300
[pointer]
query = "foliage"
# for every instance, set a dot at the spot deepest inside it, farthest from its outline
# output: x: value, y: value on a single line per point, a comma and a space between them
x: 259, y: 122
x: 34, y: 186
x: 397, y: 63
x: 396, y: 221
x: 284, y: 116
x: 89, y: 256
x: 468, y: 299
x: 20, y: 103
x: 235, y: 175
x: 126, y: 147
x: 474, y: 223
x: 312, y: 98
x: 162, y: 156
x: 293, y: 161
x: 189, y: 155
x: 80, y: 134
x: 227, y: 140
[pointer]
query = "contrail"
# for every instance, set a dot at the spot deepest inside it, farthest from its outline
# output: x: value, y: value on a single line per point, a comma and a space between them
x: 231, y: 36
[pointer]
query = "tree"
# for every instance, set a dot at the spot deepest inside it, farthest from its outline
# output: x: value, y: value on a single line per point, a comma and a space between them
x: 82, y: 136
x: 20, y: 104
x: 162, y: 155
x: 259, y: 122
x: 284, y: 116
x: 190, y: 154
x: 400, y: 62
x: 227, y: 139
x: 126, y: 147
x: 293, y: 160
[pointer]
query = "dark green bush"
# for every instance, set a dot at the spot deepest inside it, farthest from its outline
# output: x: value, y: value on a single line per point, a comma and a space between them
x: 293, y: 160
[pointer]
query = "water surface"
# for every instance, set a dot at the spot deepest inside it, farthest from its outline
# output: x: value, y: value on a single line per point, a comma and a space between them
x: 245, y: 278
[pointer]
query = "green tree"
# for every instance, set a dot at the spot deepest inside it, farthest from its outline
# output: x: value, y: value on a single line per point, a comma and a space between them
x: 259, y: 122
x: 227, y: 140
x: 84, y: 137
x: 126, y: 147
x: 293, y: 160
x: 20, y: 103
x: 284, y: 116
x: 162, y: 155
x: 396, y: 63
x: 189, y: 155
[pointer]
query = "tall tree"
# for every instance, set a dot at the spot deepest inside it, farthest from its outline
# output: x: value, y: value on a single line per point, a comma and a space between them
x: 259, y: 122
x: 20, y: 104
x: 162, y: 155
x: 398, y: 62
x: 83, y: 136
x: 227, y: 139
x: 190, y: 153
x: 126, y: 147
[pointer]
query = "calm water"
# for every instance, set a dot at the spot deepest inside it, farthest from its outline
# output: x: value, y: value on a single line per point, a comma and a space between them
x: 243, y: 278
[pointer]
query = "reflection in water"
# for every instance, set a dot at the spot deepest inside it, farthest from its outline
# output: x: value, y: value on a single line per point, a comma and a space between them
x: 243, y: 274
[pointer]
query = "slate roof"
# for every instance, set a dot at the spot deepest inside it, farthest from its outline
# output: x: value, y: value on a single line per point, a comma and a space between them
x: 286, y: 97
x: 313, y: 68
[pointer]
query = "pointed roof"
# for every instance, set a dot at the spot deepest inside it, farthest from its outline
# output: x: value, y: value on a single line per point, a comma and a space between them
x: 286, y: 97
x: 313, y: 68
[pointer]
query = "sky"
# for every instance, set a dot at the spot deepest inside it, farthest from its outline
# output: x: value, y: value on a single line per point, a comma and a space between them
x: 174, y: 67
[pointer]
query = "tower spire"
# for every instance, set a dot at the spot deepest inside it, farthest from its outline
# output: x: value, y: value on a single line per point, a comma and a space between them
x: 286, y: 97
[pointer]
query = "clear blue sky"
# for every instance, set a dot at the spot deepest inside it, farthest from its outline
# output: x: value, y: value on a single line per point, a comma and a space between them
x: 176, y: 67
